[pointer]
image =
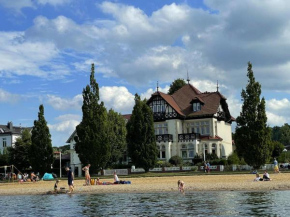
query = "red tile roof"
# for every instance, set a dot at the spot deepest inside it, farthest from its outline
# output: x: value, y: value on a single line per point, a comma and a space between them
x: 211, y: 138
x: 127, y: 116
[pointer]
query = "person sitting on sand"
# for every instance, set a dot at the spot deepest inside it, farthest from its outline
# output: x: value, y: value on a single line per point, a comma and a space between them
x: 55, y: 185
x: 116, y: 179
x: 181, y: 186
x: 266, y: 176
x: 258, y: 178
x: 33, y: 177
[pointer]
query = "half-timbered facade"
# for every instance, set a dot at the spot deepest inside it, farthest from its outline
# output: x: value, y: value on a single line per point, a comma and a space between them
x: 189, y: 123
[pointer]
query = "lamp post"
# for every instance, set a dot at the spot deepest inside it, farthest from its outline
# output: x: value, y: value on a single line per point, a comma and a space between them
x: 285, y: 150
x: 59, y: 163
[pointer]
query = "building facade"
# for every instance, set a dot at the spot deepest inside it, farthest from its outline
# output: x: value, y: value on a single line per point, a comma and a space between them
x: 189, y: 123
x: 9, y: 134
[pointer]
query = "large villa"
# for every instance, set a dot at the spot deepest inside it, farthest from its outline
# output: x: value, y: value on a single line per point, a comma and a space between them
x: 187, y: 123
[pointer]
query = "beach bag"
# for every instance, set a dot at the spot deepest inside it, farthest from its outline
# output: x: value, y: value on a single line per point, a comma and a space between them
x: 92, y: 181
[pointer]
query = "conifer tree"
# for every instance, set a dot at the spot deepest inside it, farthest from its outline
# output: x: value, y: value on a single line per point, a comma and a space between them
x: 117, y: 136
x: 141, y: 142
x: 19, y: 154
x: 41, y: 152
x: 92, y: 144
x: 253, y: 136
x: 176, y: 85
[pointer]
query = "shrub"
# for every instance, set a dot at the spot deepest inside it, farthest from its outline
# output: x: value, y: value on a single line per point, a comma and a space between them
x: 233, y: 159
x: 176, y: 160
x: 166, y: 164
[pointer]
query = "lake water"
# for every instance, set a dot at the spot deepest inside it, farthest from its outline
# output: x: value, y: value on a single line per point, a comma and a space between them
x: 220, y: 203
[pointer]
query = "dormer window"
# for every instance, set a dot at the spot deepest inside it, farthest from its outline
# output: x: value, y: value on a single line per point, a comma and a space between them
x: 196, y: 106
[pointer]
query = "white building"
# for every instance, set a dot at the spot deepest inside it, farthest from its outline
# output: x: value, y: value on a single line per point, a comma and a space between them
x: 189, y: 123
x: 75, y: 163
x: 9, y: 134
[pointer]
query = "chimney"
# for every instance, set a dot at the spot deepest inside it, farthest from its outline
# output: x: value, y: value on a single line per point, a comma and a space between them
x: 10, y: 125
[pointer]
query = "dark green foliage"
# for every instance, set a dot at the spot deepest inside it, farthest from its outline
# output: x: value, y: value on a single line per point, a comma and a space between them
x: 142, y: 147
x: 253, y: 137
x: 41, y: 152
x: 176, y: 85
x: 117, y: 136
x: 19, y: 155
x: 233, y: 158
x: 176, y: 160
x: 4, y: 157
x: 281, y: 134
x: 211, y: 156
x: 219, y: 162
x: 278, y: 148
x: 92, y: 144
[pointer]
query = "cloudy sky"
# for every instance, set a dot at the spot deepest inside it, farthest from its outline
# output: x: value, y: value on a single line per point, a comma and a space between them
x: 47, y: 46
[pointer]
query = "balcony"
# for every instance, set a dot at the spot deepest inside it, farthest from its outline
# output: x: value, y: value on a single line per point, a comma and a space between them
x: 186, y: 137
x: 164, y: 138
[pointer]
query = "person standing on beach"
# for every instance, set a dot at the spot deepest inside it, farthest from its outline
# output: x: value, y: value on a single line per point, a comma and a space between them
x: 276, y: 168
x: 87, y: 174
x: 70, y: 179
x: 180, y: 186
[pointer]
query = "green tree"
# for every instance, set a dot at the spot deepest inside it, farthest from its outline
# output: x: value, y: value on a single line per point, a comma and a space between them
x: 19, y: 154
x: 176, y: 160
x: 92, y: 144
x: 176, y: 85
x: 41, y: 152
x: 142, y: 147
x: 285, y: 135
x: 4, y: 157
x: 253, y: 137
x: 278, y: 148
x: 117, y: 136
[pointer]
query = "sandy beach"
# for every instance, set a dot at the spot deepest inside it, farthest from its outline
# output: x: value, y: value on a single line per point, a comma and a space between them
x: 241, y: 182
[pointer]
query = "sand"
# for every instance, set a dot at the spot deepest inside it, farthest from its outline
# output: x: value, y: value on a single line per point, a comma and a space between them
x: 241, y: 182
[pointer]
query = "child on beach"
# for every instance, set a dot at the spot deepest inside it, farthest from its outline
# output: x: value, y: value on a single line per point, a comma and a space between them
x: 55, y: 185
x: 258, y: 178
x: 181, y: 186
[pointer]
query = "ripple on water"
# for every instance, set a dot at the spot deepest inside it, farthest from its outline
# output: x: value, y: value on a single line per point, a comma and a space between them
x: 273, y: 203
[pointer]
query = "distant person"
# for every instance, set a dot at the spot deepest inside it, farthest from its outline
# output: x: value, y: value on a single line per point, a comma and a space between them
x: 208, y: 167
x: 181, y: 186
x: 266, y: 176
x: 87, y: 174
x: 70, y: 179
x: 258, y: 178
x: 276, y: 168
x: 205, y: 166
x: 116, y: 178
x: 33, y: 177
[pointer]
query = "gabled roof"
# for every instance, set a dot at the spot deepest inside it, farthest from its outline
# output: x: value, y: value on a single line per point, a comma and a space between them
x: 170, y: 100
x: 181, y: 101
x: 210, y: 138
x: 7, y: 129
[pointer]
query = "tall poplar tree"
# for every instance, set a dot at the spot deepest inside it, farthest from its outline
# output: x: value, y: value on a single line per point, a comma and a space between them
x: 92, y: 144
x: 117, y: 136
x: 253, y: 136
x: 41, y: 152
x: 142, y: 147
x: 19, y: 154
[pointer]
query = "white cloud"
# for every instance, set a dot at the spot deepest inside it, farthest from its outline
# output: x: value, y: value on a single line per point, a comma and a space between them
x: 17, y: 5
x: 54, y: 2
x: 150, y: 91
x: 64, y: 127
x: 118, y: 98
x: 276, y: 120
x: 6, y: 97
x: 59, y: 103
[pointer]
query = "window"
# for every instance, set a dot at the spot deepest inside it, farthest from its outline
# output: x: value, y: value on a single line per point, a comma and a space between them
x: 4, y: 143
x: 205, y: 148
x: 190, y: 151
x: 161, y: 129
x: 162, y: 153
x: 196, y: 106
x: 213, y: 148
x: 184, y: 154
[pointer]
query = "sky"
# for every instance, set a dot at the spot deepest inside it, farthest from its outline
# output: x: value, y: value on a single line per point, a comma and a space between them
x: 47, y: 47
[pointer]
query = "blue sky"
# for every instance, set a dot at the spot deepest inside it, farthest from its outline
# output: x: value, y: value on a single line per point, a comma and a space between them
x: 47, y: 47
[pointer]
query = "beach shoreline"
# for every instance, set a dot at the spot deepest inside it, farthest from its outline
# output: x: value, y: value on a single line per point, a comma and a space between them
x: 198, y: 183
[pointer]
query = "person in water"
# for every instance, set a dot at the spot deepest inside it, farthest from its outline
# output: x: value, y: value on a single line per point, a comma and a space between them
x: 181, y: 186
x: 70, y: 179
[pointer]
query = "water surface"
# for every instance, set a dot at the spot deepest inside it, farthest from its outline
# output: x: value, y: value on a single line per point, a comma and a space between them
x: 219, y: 203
